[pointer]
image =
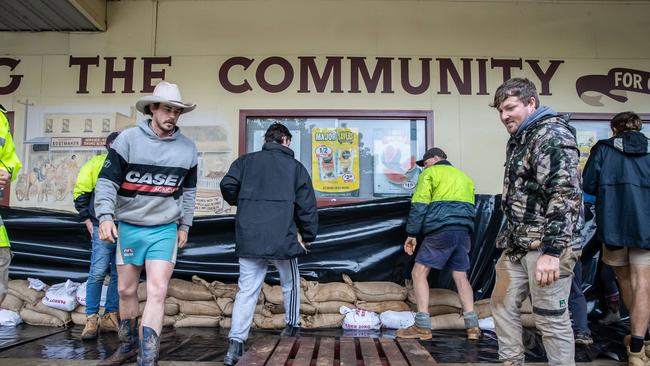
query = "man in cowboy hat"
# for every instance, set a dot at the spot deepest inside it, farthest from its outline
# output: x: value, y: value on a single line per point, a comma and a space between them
x: 148, y: 184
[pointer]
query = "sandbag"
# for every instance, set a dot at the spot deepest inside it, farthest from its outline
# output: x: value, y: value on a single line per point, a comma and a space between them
x: 142, y: 291
x: 62, y: 296
x: 12, y: 303
x: 483, y: 308
x: 226, y: 323
x: 305, y: 309
x: 78, y: 318
x: 170, y: 308
x: 39, y: 307
x: 447, y: 322
x: 168, y: 321
x: 526, y: 306
x: 9, y: 318
x: 442, y: 309
x: 273, y: 294
x: 82, y: 310
x: 334, y: 291
x: 437, y: 296
x: 376, y: 291
x: 528, y: 320
x: 201, y: 321
x: 330, y: 307
x: 198, y: 307
x: 397, y: 319
x: 32, y: 317
x: 360, y: 319
x: 380, y: 307
x: 186, y: 290
x: 269, y: 322
x: 21, y: 290
x: 226, y: 306
x: 322, y: 321
x: 216, y: 288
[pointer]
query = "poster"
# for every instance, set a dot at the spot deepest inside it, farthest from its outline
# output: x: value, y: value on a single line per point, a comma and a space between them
x: 335, y: 162
x: 395, y: 172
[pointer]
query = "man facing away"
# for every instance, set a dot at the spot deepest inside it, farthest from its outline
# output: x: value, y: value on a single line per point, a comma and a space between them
x: 618, y: 174
x: 443, y: 209
x: 148, y: 184
x: 276, y: 220
x: 542, y: 204
x: 9, y: 167
x: 103, y: 252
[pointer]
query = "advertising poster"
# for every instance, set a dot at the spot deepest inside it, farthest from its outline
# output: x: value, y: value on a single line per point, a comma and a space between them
x: 335, y: 162
x: 394, y: 163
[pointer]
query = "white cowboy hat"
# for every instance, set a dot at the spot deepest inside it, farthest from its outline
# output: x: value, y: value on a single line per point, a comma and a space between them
x: 165, y: 93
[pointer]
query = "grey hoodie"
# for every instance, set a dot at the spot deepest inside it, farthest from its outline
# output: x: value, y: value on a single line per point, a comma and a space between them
x: 147, y: 180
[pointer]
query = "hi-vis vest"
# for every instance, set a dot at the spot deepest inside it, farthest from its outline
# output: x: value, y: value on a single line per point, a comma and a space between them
x: 9, y: 162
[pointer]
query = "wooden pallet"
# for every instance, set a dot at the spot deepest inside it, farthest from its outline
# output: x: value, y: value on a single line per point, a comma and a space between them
x: 329, y: 351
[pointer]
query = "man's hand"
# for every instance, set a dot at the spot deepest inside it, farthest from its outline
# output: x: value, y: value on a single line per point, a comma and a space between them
x: 302, y: 243
x: 181, y: 238
x: 108, y: 231
x: 89, y: 226
x: 5, y: 177
x: 410, y: 244
x: 547, y: 270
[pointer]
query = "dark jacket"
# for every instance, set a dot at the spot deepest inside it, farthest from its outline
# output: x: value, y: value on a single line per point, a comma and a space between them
x: 618, y: 174
x: 275, y: 200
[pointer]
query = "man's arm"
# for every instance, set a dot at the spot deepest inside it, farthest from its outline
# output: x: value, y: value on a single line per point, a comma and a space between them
x: 231, y: 183
x: 427, y: 181
x: 556, y: 159
x: 189, y: 198
x: 305, y: 210
x: 83, y: 190
x: 9, y: 161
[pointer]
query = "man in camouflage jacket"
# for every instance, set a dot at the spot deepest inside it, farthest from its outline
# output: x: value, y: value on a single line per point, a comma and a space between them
x: 541, y: 202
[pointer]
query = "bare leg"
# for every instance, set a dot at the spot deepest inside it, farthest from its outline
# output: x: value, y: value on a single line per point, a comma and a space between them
x: 465, y: 291
x: 421, y: 286
x: 128, y: 276
x: 640, y: 312
x: 158, y: 274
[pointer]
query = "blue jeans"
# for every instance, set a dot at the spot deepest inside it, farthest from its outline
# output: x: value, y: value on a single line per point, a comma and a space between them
x: 102, y: 257
x: 577, y: 302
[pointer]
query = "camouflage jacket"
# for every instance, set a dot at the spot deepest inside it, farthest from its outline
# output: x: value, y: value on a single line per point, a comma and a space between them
x: 542, y: 195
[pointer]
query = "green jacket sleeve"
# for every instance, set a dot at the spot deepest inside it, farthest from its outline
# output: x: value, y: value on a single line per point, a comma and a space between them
x: 9, y: 161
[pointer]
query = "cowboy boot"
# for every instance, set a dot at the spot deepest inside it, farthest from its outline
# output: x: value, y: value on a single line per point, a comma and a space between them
x: 128, y: 335
x: 149, y: 347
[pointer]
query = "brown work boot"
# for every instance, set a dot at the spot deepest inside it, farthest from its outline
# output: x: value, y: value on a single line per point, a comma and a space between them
x: 128, y: 334
x: 109, y: 322
x: 91, y: 328
x: 636, y: 359
x: 414, y: 332
x: 473, y: 333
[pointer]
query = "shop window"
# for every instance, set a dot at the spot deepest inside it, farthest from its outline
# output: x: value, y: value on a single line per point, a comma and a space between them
x: 591, y: 127
x: 88, y: 125
x: 106, y: 125
x: 65, y: 127
x: 351, y: 156
x: 49, y: 124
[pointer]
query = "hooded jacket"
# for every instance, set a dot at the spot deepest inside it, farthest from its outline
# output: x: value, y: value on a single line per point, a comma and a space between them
x: 542, y: 198
x: 147, y: 180
x: 275, y: 201
x: 618, y: 174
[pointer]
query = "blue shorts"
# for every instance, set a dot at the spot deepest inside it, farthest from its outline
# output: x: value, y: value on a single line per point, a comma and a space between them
x: 447, y: 248
x: 136, y: 244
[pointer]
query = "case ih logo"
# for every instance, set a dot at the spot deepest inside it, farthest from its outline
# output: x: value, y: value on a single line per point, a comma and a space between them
x: 614, y: 85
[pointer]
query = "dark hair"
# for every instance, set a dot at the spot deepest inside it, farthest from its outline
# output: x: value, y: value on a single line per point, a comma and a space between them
x: 276, y: 132
x: 110, y: 138
x: 626, y: 121
x: 147, y: 110
x: 521, y: 88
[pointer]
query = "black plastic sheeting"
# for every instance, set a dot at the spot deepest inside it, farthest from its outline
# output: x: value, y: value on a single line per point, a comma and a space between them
x: 363, y: 240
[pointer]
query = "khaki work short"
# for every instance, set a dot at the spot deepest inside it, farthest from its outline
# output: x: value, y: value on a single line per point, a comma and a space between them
x: 626, y: 256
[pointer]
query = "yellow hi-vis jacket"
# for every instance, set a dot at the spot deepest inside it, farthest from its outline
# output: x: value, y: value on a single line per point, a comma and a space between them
x: 9, y: 162
x: 84, y: 188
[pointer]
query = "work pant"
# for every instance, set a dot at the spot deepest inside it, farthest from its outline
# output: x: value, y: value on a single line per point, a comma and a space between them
x: 514, y: 282
x: 252, y: 272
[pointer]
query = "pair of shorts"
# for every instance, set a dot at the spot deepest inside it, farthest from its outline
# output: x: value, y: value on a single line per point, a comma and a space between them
x: 626, y: 256
x: 137, y: 244
x: 445, y: 249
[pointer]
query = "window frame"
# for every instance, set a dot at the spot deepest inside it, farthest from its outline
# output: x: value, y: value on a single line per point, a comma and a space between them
x: 358, y: 114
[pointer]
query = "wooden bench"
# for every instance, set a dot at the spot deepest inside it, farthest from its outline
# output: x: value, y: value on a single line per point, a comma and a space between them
x: 329, y: 351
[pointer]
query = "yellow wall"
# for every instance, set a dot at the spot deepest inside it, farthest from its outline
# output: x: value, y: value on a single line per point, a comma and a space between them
x: 590, y: 36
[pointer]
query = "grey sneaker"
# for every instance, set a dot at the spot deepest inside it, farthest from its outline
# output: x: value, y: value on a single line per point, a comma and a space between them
x: 583, y: 338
